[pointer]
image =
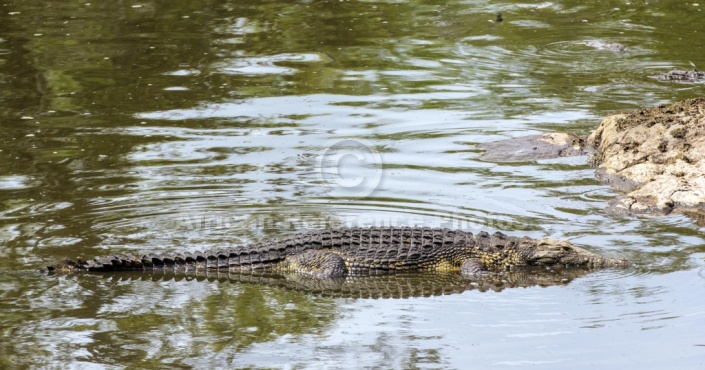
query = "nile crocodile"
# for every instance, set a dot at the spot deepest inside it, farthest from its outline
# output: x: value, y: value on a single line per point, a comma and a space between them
x: 693, y: 75
x: 334, y: 253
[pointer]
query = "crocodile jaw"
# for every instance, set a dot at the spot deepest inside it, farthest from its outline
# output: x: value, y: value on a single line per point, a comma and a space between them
x: 551, y: 252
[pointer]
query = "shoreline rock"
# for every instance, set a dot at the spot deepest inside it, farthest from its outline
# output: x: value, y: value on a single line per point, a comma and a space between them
x: 654, y: 155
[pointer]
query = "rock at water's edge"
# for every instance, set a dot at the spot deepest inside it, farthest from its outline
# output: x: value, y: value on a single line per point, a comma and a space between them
x: 656, y: 156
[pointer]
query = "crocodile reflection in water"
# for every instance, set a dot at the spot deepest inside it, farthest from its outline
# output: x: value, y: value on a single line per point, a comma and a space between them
x: 401, y: 285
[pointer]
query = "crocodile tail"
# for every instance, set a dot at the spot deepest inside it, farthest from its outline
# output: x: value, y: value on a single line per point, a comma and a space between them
x: 98, y: 264
x: 209, y: 260
x: 129, y: 263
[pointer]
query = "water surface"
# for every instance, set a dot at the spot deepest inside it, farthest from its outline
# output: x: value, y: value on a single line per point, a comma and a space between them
x: 173, y: 125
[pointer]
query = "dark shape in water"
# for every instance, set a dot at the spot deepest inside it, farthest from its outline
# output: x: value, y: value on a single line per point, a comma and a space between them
x: 688, y: 76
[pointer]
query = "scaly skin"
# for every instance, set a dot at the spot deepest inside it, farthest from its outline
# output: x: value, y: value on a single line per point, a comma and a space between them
x: 361, y: 251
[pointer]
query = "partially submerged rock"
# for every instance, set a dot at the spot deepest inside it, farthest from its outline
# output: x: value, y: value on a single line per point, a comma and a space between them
x: 534, y: 147
x: 656, y: 156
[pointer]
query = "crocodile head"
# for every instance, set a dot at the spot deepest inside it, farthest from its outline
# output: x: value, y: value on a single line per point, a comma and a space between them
x: 551, y: 252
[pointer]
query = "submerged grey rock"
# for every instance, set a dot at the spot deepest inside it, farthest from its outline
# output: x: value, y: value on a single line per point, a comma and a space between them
x: 534, y: 147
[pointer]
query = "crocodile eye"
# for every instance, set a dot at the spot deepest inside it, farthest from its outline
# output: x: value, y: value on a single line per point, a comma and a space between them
x: 565, y: 248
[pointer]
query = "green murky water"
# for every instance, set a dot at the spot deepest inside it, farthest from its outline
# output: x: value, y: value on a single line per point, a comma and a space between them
x: 175, y: 125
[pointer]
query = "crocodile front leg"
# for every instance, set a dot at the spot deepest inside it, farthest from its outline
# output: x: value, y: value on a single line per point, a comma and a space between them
x: 473, y: 267
x: 318, y: 263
